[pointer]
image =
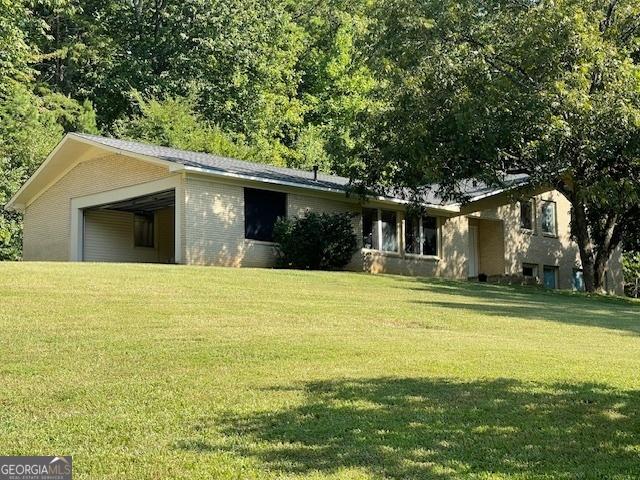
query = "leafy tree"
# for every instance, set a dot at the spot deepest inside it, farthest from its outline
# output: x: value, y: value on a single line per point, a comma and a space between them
x: 336, y: 85
x: 16, y: 53
x: 476, y: 89
x: 30, y: 127
x: 173, y: 122
x: 631, y: 270
x: 284, y: 75
x: 33, y: 119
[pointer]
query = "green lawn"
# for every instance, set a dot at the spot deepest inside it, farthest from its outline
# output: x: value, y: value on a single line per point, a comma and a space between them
x: 187, y: 372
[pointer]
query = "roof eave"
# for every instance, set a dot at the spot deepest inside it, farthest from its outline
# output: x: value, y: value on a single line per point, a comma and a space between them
x: 320, y: 188
x: 13, y: 204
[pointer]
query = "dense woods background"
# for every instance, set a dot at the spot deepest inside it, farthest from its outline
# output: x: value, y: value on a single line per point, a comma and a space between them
x: 388, y: 92
x: 266, y: 80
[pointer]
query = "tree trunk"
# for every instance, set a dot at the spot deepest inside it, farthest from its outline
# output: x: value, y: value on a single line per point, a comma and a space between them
x: 583, y: 239
x: 594, y: 259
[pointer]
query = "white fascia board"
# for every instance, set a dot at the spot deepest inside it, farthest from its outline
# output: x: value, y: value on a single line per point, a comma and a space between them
x: 11, y: 204
x: 121, y: 151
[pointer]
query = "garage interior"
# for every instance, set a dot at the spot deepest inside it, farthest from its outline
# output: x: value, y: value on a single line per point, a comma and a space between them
x: 140, y: 229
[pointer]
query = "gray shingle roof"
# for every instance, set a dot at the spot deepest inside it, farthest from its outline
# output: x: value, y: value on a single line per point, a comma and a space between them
x: 220, y: 164
x: 269, y: 173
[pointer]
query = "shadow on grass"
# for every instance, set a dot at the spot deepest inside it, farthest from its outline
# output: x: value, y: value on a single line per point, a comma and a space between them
x: 532, y: 303
x: 424, y: 428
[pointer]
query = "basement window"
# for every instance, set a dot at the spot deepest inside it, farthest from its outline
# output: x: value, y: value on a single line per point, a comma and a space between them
x: 143, y: 227
x: 261, y: 210
x: 530, y: 270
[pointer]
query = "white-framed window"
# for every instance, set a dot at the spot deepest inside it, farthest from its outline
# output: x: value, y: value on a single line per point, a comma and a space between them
x: 527, y: 215
x: 548, y: 216
x: 421, y: 235
x: 380, y: 229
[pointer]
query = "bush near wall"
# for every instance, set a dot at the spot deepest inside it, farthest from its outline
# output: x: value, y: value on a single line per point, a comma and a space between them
x: 631, y: 269
x: 317, y: 241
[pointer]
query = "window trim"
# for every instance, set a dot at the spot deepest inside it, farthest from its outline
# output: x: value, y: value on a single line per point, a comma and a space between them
x: 401, y: 222
x: 378, y: 229
x: 555, y: 218
x: 420, y: 219
x: 380, y: 232
x: 532, y: 202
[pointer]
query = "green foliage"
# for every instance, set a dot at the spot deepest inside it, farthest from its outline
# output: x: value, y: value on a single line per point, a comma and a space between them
x: 232, y: 373
x: 631, y: 269
x: 30, y: 127
x: 16, y: 54
x: 476, y: 89
x: 173, y: 122
x: 316, y: 241
x: 264, y: 80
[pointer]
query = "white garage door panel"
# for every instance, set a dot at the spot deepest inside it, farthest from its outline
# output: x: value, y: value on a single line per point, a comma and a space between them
x: 108, y: 237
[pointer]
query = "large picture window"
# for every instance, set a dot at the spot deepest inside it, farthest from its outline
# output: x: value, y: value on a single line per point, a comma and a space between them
x: 549, y: 218
x: 421, y: 235
x: 527, y: 217
x: 261, y: 210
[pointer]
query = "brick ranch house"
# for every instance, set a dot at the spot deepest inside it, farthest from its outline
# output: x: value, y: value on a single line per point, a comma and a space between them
x: 99, y: 199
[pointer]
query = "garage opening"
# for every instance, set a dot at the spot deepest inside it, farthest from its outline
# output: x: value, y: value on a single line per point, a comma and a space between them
x: 139, y: 230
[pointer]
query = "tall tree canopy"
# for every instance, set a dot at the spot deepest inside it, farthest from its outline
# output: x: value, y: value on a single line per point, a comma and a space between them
x: 265, y: 80
x: 391, y: 92
x: 482, y: 88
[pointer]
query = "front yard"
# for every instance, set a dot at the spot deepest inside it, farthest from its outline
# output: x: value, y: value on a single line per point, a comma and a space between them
x: 185, y: 372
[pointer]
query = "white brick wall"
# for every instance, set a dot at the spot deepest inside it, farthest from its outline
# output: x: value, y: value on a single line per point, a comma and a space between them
x: 47, y: 219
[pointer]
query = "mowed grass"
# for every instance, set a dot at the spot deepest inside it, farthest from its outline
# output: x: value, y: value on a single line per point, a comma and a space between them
x: 143, y: 371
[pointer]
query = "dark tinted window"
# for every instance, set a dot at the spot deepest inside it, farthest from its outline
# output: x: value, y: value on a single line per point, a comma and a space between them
x: 143, y: 230
x: 369, y: 228
x: 261, y: 210
x: 530, y: 270
x: 526, y: 214
x: 412, y: 235
x: 430, y: 233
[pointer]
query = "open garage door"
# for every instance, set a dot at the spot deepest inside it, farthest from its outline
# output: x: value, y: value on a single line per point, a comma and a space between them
x: 140, y: 229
